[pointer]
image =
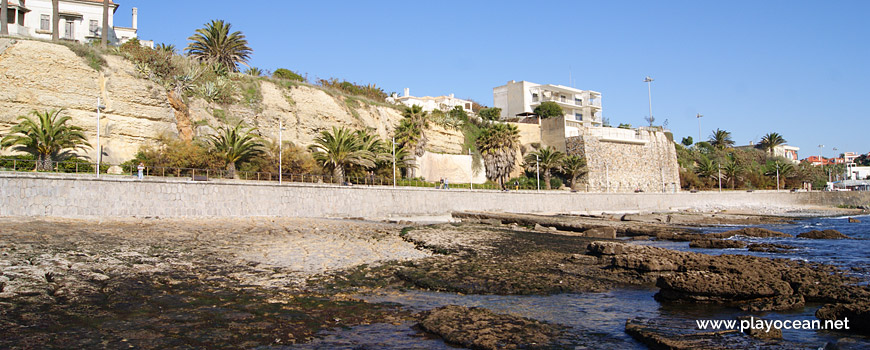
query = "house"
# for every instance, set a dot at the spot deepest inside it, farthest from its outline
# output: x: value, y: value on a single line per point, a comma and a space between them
x: 849, y: 157
x: 519, y: 98
x: 816, y: 161
x: 80, y: 21
x: 429, y: 103
x: 785, y: 151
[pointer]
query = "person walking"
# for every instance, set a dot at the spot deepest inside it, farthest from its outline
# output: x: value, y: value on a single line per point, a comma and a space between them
x: 141, y: 169
x: 446, y: 184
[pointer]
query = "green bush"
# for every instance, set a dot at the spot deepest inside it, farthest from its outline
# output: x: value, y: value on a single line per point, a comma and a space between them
x: 555, y: 182
x: 283, y: 73
x: 92, y: 56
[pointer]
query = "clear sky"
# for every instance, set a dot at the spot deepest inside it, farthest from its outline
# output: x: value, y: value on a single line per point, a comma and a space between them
x: 800, y: 68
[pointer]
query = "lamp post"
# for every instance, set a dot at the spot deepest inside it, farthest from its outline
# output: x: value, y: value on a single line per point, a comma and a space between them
x: 699, y: 116
x: 720, y: 177
x: 648, y: 82
x: 394, y: 162
x: 538, y: 171
x: 281, y: 151
x: 777, y: 176
x: 99, y: 149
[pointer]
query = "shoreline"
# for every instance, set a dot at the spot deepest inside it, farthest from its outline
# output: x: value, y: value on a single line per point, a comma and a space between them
x: 73, y: 267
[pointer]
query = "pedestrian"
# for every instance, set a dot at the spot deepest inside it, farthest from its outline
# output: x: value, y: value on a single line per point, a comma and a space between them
x: 517, y: 184
x: 446, y: 184
x: 141, y: 169
x: 441, y: 183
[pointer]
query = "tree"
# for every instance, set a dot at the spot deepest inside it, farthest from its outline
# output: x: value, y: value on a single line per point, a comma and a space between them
x: 236, y: 145
x: 4, y: 10
x: 688, y: 141
x: 47, y: 137
x: 254, y: 72
x: 55, y: 20
x: 706, y: 168
x: 216, y: 43
x: 490, y: 114
x: 411, y: 130
x: 721, y: 139
x: 498, y: 146
x: 339, y: 149
x: 573, y: 166
x: 780, y: 166
x: 104, y: 37
x: 549, y: 109
x: 167, y: 48
x: 731, y: 170
x: 770, y: 141
x: 548, y: 159
x: 283, y: 73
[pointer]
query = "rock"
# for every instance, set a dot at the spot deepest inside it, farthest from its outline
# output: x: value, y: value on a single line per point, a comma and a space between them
x: 479, y: 328
x: 759, y: 330
x: 673, y: 335
x: 578, y: 259
x: 115, y: 170
x: 716, y: 244
x: 539, y: 227
x: 854, y: 221
x: 601, y: 232
x: 552, y: 228
x: 640, y: 238
x: 770, y: 247
x: 733, y: 288
x: 857, y: 313
x: 749, y: 232
x: 826, y: 234
x: 780, y: 303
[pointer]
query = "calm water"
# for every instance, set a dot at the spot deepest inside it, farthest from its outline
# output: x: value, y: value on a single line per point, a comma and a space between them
x: 598, y: 319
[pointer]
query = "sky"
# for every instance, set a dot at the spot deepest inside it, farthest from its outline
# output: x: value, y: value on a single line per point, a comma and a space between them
x: 798, y: 68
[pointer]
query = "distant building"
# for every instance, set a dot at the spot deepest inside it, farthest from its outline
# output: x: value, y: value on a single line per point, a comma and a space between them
x: 816, y: 160
x: 785, y: 151
x: 80, y: 21
x: 518, y: 98
x: 849, y: 157
x: 429, y: 103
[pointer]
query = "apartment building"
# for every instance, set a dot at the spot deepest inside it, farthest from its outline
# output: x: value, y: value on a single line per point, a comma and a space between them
x: 80, y: 20
x: 517, y: 98
x: 430, y: 103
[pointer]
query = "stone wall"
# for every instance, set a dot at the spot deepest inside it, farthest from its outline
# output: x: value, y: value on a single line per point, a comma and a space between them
x: 38, y: 195
x: 648, y: 162
x: 456, y: 168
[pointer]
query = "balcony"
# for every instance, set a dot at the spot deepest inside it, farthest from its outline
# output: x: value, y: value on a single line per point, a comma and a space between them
x: 618, y: 135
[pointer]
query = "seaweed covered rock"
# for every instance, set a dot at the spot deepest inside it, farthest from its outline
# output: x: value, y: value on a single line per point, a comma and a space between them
x: 479, y: 328
x: 826, y: 234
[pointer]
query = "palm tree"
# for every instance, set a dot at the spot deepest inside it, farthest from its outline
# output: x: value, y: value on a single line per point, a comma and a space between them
x: 770, y: 141
x: 215, y: 42
x: 785, y: 167
x: 411, y: 130
x: 236, y: 145
x: 104, y: 38
x: 167, y: 48
x: 4, y: 9
x: 547, y: 159
x: 731, y: 171
x: 721, y: 139
x: 254, y: 72
x: 498, y: 146
x: 573, y: 166
x: 47, y: 137
x: 338, y: 150
x: 55, y: 20
x: 706, y: 168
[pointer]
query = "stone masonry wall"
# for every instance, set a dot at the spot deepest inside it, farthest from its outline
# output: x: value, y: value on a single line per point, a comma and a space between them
x: 625, y: 167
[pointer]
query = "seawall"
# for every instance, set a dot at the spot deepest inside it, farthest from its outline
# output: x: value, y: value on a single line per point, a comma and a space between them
x: 84, y: 196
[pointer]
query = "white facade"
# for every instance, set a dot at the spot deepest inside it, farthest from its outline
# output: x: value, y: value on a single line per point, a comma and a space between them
x: 429, y: 103
x: 80, y: 20
x: 519, y: 97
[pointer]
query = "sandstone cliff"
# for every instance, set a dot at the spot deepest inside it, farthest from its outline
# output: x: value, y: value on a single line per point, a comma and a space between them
x: 37, y: 75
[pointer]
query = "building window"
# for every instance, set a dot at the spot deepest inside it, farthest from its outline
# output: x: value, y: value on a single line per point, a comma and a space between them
x: 562, y: 98
x: 94, y: 28
x: 578, y: 101
x: 534, y: 97
x: 45, y: 22
x: 69, y: 32
x: 578, y: 116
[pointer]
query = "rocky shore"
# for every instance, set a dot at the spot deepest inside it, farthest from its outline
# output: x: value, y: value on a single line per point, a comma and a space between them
x: 222, y: 283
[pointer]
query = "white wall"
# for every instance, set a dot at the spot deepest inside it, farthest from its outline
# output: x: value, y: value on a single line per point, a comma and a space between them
x: 88, y: 10
x: 457, y: 168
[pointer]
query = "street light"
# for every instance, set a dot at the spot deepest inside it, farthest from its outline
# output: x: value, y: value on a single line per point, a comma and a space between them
x: 648, y: 82
x: 720, y: 177
x: 99, y: 148
x: 281, y: 151
x: 538, y: 171
x: 394, y: 161
x: 699, y: 116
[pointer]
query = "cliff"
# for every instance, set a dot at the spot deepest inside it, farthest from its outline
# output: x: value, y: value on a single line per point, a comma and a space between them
x: 38, y: 75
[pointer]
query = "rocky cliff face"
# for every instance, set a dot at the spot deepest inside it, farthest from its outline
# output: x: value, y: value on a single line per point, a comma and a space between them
x: 38, y: 75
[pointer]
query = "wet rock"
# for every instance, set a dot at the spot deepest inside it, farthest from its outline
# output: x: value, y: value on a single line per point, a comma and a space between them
x: 759, y: 330
x: 826, y: 234
x: 857, y: 313
x: 479, y: 328
x: 844, y: 344
x: 779, y: 303
x: 755, y: 232
x: 854, y: 221
x: 675, y: 335
x: 716, y: 244
x: 582, y: 259
x: 600, y: 232
x: 770, y: 247
x: 704, y: 286
x: 640, y: 238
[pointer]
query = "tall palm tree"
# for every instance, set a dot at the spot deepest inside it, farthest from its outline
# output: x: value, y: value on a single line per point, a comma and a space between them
x: 706, y: 168
x: 167, y: 48
x: 55, y: 20
x: 785, y: 167
x: 721, y: 139
x: 47, y: 137
x: 548, y: 159
x: 411, y: 130
x: 254, y: 72
x: 104, y: 37
x: 215, y: 42
x: 236, y: 145
x: 4, y: 9
x: 498, y: 146
x: 573, y: 166
x: 770, y: 141
x: 339, y: 149
x: 731, y: 170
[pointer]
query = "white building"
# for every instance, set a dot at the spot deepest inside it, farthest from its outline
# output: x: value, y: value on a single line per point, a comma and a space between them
x: 785, y: 151
x: 80, y: 20
x: 429, y: 103
x: 518, y: 98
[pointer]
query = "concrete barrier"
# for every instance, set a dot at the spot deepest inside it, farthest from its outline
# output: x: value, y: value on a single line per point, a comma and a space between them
x: 84, y: 196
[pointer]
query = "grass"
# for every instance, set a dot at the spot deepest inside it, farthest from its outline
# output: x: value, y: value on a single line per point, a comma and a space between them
x: 91, y: 55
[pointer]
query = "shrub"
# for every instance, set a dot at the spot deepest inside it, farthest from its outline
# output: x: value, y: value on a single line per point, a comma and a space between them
x: 91, y: 55
x: 549, y: 109
x: 283, y: 73
x: 370, y: 91
x: 555, y: 182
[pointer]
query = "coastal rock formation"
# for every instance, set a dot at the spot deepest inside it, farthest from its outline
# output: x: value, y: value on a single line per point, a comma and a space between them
x: 754, y: 232
x: 858, y: 314
x: 854, y: 221
x: 716, y: 244
x: 673, y: 335
x: 770, y: 247
x: 478, y: 328
x: 826, y: 234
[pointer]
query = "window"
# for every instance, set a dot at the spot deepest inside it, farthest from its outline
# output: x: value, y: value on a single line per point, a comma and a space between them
x: 95, y: 28
x: 69, y: 32
x: 578, y: 101
x: 534, y: 97
x: 562, y: 98
x: 45, y: 22
x: 578, y: 116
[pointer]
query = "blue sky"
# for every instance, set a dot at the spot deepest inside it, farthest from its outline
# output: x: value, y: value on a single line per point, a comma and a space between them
x: 800, y: 68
